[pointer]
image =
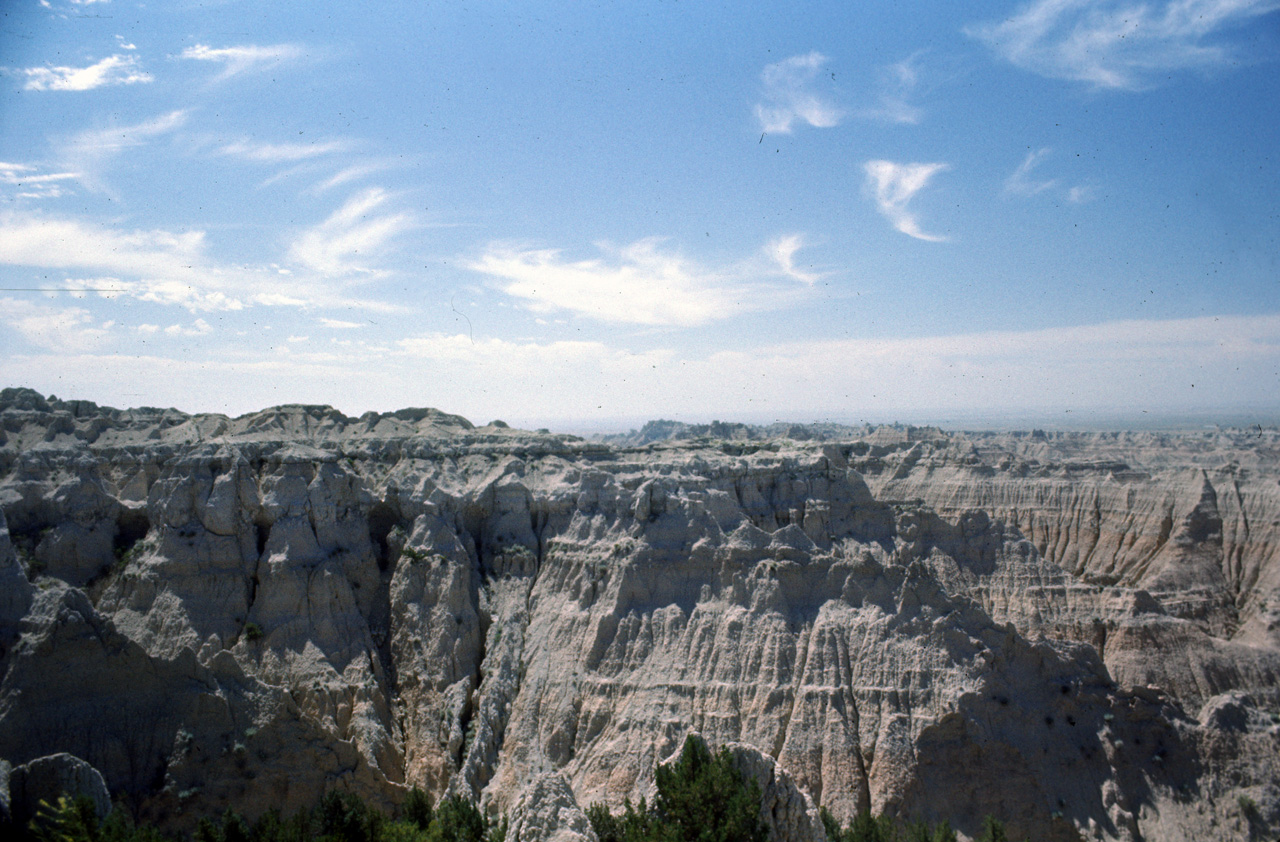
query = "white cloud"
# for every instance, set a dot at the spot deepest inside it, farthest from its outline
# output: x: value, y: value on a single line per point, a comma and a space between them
x: 1119, y: 45
x: 112, y: 70
x: 281, y: 153
x: 243, y: 58
x: 108, y: 288
x: 1020, y: 182
x: 788, y: 97
x: 783, y: 251
x: 169, y: 268
x: 34, y: 240
x: 175, y: 268
x: 88, y: 152
x: 897, y: 83
x: 33, y: 184
x: 494, y: 352
x: 115, y: 139
x: 1080, y: 194
x: 348, y: 174
x: 639, y: 284
x: 62, y: 329
x: 893, y: 186
x: 351, y: 237
x: 339, y: 324
x: 197, y: 328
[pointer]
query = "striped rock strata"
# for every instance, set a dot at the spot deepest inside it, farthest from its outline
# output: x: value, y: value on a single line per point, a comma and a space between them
x: 1076, y: 634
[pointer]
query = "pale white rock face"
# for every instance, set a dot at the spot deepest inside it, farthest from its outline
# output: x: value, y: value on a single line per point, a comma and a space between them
x: 547, y: 812
x: 1075, y: 633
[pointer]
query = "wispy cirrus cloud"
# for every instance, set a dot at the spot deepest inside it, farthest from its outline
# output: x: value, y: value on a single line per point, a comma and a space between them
x: 244, y: 58
x: 640, y: 284
x: 789, y: 97
x: 281, y: 153
x: 112, y: 70
x: 896, y: 85
x: 352, y: 237
x: 117, y: 138
x: 893, y: 185
x: 1024, y: 182
x: 88, y: 152
x: 31, y: 183
x: 355, y: 172
x: 1119, y: 45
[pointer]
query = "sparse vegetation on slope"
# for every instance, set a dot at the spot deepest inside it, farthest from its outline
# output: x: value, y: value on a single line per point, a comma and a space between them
x: 703, y: 798
x: 339, y: 817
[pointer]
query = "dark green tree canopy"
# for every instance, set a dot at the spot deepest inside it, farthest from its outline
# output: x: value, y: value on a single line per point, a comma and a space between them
x: 701, y: 798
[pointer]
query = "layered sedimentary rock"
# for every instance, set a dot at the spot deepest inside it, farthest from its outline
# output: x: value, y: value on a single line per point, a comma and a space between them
x: 1076, y: 633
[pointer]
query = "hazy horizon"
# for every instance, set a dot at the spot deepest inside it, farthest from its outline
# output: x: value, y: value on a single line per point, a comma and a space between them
x: 1104, y: 420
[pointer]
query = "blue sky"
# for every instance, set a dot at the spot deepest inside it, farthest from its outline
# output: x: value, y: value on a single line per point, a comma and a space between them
x: 577, y: 214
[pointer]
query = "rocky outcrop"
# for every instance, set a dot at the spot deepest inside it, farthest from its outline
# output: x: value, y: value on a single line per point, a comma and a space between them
x: 46, y: 779
x: 785, y: 809
x: 547, y: 812
x: 1076, y: 634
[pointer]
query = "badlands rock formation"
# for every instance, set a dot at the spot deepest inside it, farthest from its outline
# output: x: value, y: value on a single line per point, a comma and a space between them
x: 1079, y: 633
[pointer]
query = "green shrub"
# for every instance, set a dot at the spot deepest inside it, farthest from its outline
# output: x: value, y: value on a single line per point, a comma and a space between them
x: 607, y: 826
x: 65, y: 820
x: 704, y: 799
x: 234, y: 827
x: 272, y: 827
x: 118, y: 826
x: 1247, y: 806
x: 701, y: 798
x: 415, y: 554
x: 992, y: 831
x: 401, y: 831
x: 417, y: 808
x: 456, y: 820
x: 498, y: 831
x: 943, y: 833
x: 829, y: 824
x: 207, y: 831
x: 868, y: 828
x: 344, y: 817
x: 252, y: 631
